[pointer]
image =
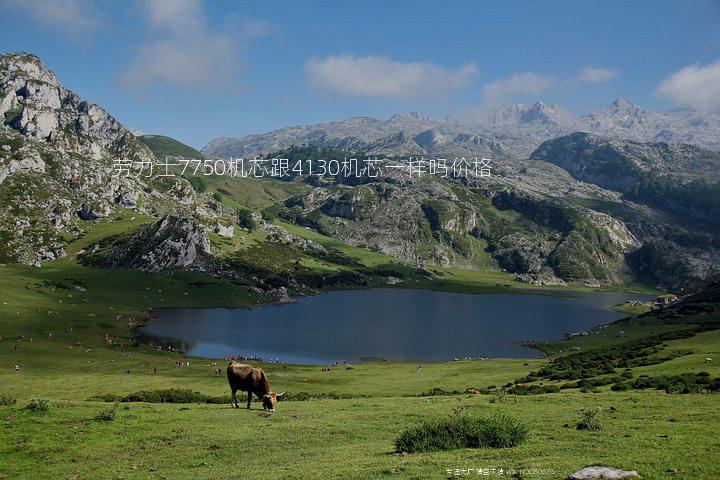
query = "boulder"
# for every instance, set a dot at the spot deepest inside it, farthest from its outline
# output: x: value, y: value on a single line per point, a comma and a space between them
x: 225, y: 230
x: 129, y: 200
x: 93, y: 212
x: 602, y: 472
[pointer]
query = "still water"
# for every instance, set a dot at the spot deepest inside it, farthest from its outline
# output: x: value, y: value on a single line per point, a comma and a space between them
x: 415, y: 325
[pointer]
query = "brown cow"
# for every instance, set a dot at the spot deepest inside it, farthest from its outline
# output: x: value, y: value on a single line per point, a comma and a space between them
x: 251, y: 380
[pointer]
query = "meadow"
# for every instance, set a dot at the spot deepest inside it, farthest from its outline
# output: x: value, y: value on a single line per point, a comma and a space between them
x: 341, y: 423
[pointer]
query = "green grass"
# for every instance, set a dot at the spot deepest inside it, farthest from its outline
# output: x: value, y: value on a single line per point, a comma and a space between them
x: 163, y: 146
x: 252, y: 193
x: 92, y: 312
x: 354, y: 438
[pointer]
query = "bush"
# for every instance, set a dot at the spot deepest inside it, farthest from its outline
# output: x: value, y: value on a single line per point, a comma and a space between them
x: 621, y: 387
x: 533, y: 389
x: 462, y: 432
x: 197, y: 184
x: 682, y: 383
x: 588, y: 419
x: 188, y: 396
x: 107, y: 414
x: 38, y: 405
x: 268, y: 216
x: 439, y: 392
x: 245, y: 219
x: 7, y: 399
x: 172, y: 395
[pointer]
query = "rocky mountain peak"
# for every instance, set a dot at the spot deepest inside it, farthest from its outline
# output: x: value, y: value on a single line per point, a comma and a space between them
x: 27, y: 65
x: 35, y: 103
x: 59, y: 153
x: 520, y: 114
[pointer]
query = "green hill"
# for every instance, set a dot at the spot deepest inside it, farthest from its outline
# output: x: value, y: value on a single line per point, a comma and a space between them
x: 163, y: 146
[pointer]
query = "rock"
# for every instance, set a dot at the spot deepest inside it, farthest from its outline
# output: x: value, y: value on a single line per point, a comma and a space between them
x: 173, y: 243
x: 225, y: 230
x: 603, y: 472
x: 32, y: 163
x: 129, y: 200
x: 95, y: 211
x: 6, y: 148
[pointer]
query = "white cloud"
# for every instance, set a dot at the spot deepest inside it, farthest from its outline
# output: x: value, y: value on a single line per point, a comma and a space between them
x: 182, y: 49
x: 695, y: 85
x: 259, y: 28
x: 372, y: 76
x: 591, y: 74
x: 74, y: 19
x: 521, y: 84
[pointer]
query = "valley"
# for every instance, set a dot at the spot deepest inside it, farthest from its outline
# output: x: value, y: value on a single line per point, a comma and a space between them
x: 88, y: 255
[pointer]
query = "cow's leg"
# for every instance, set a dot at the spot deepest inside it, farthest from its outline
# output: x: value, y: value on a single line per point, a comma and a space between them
x: 249, y: 399
x: 233, y: 401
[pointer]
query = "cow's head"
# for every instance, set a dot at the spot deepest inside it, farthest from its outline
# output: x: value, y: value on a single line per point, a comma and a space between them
x: 269, y: 400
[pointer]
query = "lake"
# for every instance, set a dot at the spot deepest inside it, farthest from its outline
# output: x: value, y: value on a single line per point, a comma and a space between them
x: 414, y: 325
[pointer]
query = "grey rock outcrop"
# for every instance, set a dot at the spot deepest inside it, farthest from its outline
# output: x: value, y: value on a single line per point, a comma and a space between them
x: 512, y: 131
x: 61, y: 162
x: 598, y: 472
x: 173, y: 243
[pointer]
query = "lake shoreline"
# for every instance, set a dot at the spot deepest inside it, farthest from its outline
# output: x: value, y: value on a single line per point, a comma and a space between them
x: 310, y: 311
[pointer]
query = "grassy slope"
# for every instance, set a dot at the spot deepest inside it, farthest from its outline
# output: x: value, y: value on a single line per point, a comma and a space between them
x: 315, y: 439
x: 163, y: 146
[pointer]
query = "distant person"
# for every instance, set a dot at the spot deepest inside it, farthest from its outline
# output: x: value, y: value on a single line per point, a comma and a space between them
x: 418, y: 367
x: 17, y: 369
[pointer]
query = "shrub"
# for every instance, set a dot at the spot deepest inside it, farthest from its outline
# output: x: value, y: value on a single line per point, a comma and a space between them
x: 7, y: 399
x: 38, y: 405
x: 439, y: 392
x: 268, y: 216
x: 682, y: 383
x: 588, y: 419
x: 245, y: 219
x: 172, y: 395
x: 621, y: 387
x: 197, y: 183
x: 107, y: 414
x: 533, y: 389
x: 461, y: 431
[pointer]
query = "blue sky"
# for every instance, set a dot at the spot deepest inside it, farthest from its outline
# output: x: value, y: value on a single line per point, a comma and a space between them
x: 195, y: 70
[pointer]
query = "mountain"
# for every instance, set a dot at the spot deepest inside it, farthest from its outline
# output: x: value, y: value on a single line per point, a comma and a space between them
x: 620, y: 164
x: 513, y: 131
x: 674, y: 177
x: 623, y: 119
x: 59, y: 162
x: 569, y: 214
x: 162, y: 147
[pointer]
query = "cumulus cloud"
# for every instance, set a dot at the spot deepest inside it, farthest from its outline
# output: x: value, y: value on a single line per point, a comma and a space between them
x: 591, y: 74
x: 695, y: 85
x: 74, y: 19
x: 372, y: 76
x: 520, y: 84
x: 182, y: 49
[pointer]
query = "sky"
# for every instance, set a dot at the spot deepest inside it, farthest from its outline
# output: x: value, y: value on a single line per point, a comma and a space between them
x: 197, y: 70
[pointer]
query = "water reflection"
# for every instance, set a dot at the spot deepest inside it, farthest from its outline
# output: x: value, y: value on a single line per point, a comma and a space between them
x: 416, y: 325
